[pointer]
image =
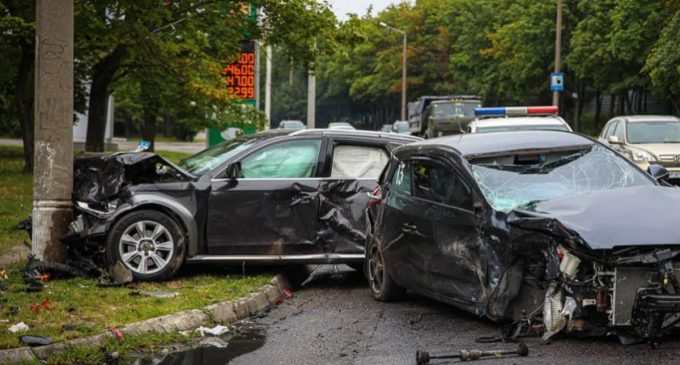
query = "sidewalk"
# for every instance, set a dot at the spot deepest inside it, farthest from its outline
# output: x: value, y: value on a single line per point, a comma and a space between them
x: 184, y: 147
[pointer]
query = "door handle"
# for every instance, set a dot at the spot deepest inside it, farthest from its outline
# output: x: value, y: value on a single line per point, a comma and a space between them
x: 409, y: 228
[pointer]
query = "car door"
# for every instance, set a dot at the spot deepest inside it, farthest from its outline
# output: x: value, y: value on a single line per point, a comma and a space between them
x: 353, y: 166
x: 450, y: 242
x: 398, y: 230
x: 272, y: 207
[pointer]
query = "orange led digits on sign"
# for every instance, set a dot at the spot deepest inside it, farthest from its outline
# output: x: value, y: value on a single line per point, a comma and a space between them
x: 240, y: 76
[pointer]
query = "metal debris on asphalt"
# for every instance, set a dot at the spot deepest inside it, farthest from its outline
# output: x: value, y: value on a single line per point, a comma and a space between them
x: 424, y: 357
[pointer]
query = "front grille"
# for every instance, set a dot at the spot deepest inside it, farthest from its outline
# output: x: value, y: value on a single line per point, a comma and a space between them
x: 669, y: 160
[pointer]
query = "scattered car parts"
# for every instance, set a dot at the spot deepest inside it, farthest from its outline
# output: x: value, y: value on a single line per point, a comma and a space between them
x: 424, y: 357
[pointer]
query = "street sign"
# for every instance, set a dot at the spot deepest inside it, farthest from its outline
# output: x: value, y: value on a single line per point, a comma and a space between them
x: 557, y: 82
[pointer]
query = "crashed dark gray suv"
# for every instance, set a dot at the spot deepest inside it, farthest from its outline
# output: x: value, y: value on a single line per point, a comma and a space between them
x: 275, y: 197
x: 546, y: 229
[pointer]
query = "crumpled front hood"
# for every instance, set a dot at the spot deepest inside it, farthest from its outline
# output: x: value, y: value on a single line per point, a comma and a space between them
x: 98, y: 178
x: 637, y: 216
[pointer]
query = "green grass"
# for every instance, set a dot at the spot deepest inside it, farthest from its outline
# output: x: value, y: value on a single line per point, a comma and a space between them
x: 86, y: 355
x: 16, y: 194
x: 87, y: 309
x: 175, y: 157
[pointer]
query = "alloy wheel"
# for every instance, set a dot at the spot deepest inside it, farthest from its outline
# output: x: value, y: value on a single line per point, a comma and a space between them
x: 146, y: 247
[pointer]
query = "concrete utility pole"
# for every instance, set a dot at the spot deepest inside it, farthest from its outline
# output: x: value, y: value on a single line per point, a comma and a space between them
x: 404, y: 67
x: 268, y: 87
x: 53, y: 171
x: 311, y: 100
x: 558, y: 48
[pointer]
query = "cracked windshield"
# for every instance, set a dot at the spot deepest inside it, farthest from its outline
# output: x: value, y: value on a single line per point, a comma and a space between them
x: 508, y: 184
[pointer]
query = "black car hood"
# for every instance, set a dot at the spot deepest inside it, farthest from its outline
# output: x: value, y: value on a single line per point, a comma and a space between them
x: 98, y: 178
x: 636, y: 216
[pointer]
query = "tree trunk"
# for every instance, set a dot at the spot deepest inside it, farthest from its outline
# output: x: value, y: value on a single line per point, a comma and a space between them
x: 102, y: 76
x: 149, y: 128
x: 24, y: 101
x: 612, y: 105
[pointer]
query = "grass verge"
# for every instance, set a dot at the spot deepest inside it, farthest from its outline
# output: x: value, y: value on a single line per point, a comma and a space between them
x: 77, y: 307
x: 16, y: 194
x: 86, y: 355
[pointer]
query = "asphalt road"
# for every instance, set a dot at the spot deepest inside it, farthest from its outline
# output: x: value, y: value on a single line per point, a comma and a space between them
x: 334, y: 320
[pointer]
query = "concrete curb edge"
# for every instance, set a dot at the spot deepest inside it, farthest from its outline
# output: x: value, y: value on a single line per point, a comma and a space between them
x: 225, y: 313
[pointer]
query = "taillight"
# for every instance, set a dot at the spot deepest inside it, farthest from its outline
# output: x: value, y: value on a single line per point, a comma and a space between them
x: 375, y: 197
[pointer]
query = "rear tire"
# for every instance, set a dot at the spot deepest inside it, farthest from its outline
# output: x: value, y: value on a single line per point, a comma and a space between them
x: 380, y: 283
x: 148, y: 243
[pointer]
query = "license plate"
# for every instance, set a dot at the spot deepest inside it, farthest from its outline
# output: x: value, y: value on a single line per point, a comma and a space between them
x: 674, y: 175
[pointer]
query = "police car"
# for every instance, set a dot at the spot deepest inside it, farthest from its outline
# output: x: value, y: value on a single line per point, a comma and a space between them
x: 520, y: 118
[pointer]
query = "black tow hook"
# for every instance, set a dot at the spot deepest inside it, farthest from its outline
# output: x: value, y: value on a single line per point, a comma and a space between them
x: 424, y: 357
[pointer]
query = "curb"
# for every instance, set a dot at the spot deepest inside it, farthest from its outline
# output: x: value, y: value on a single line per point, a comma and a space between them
x: 226, y: 313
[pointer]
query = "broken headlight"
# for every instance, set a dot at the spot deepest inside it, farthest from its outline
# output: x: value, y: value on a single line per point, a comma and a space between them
x: 102, y: 210
x: 642, y: 156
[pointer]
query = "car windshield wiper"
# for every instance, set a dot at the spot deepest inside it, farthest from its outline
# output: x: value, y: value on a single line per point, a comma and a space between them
x: 550, y: 165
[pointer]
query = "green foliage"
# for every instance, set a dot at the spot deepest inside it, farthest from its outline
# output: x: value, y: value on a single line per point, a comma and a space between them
x: 15, y: 197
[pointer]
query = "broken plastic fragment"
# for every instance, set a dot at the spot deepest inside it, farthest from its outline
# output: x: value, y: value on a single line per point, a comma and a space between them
x: 19, y: 327
x: 44, y: 305
x: 35, y: 340
x: 159, y: 294
x: 117, y: 334
x: 218, y: 330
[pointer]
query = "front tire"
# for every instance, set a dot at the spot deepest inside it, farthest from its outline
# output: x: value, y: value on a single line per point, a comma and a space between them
x: 382, y: 287
x: 148, y: 243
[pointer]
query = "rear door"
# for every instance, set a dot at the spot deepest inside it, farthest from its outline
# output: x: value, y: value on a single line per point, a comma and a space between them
x: 272, y: 208
x: 353, y: 166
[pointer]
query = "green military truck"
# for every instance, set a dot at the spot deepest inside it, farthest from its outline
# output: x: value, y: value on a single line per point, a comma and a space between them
x: 434, y: 116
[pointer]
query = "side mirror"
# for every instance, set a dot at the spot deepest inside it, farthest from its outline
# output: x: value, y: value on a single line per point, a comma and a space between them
x: 614, y: 140
x: 658, y: 172
x: 234, y: 171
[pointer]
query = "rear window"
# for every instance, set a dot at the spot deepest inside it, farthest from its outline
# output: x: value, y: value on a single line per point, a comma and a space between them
x: 358, y: 162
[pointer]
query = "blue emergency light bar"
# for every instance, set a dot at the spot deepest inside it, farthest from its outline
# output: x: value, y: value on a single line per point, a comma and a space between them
x: 516, y: 111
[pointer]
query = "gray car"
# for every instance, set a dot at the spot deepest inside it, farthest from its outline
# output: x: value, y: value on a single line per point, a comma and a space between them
x: 646, y: 140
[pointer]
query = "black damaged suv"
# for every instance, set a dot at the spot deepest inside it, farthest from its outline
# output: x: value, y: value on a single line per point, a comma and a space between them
x: 276, y: 197
x: 548, y: 227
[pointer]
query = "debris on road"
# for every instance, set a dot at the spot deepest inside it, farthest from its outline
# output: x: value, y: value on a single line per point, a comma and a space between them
x: 161, y: 294
x: 44, y: 305
x: 215, y: 342
x: 19, y: 327
x: 424, y: 357
x: 117, y: 334
x: 218, y: 330
x: 33, y: 341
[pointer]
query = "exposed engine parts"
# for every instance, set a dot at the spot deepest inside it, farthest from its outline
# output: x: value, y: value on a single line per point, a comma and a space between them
x: 595, y: 296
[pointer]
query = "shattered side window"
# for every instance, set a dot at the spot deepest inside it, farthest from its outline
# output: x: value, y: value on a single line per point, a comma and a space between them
x: 507, y: 184
x: 295, y: 159
x: 439, y: 183
x: 357, y: 162
x: 401, y: 180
